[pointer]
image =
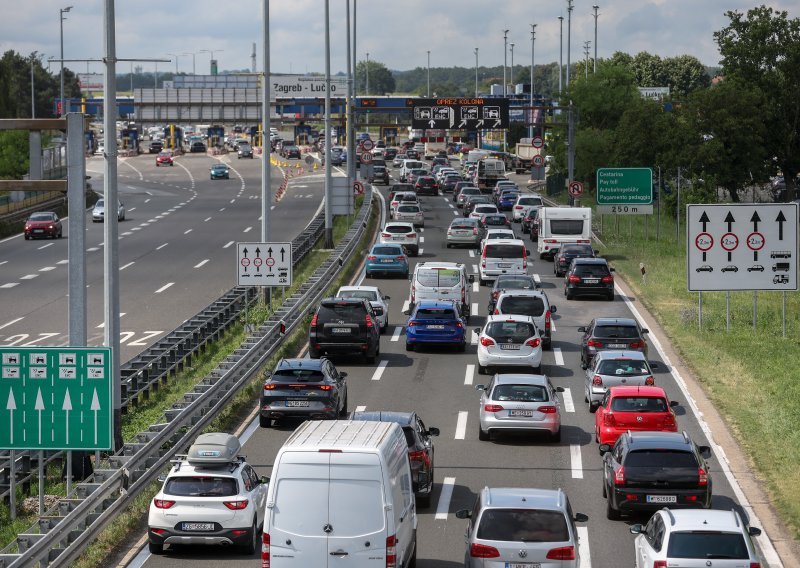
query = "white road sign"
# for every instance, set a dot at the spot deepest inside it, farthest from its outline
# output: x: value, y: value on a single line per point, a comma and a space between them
x: 742, y: 247
x: 264, y: 264
x: 300, y: 86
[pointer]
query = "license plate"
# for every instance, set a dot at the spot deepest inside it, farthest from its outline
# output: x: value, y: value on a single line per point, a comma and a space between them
x: 521, y: 565
x: 520, y: 413
x: 341, y: 330
x: 296, y: 403
x: 197, y: 526
x: 510, y: 347
x: 504, y: 265
x: 617, y: 345
x: 386, y: 260
x: 38, y: 230
x: 398, y: 238
x: 662, y: 499
x: 435, y: 327
x: 591, y: 280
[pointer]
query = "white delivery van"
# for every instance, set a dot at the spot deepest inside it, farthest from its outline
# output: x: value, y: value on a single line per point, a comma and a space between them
x: 442, y: 281
x: 503, y: 256
x: 340, y: 495
x: 561, y: 225
x: 409, y: 165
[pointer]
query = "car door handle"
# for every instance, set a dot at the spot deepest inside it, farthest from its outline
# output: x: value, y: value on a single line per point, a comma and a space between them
x: 339, y: 553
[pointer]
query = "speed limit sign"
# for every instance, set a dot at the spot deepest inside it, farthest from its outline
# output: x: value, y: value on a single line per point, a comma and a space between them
x: 538, y: 160
x: 575, y: 188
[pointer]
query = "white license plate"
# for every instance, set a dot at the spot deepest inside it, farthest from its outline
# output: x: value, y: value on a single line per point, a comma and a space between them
x: 38, y: 230
x: 527, y: 413
x: 296, y: 403
x: 511, y: 347
x: 662, y: 499
x: 435, y: 327
x: 197, y: 526
x: 617, y: 345
x: 504, y: 265
x: 521, y: 565
x: 398, y: 238
x: 341, y: 330
x: 591, y: 280
x: 386, y: 260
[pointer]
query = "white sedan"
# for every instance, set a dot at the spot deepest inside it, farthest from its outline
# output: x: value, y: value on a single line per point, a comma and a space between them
x: 401, y: 234
x: 509, y: 341
x: 483, y: 209
x: 379, y: 302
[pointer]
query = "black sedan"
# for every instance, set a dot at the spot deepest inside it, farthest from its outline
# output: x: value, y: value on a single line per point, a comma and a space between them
x: 615, y: 334
x: 567, y: 252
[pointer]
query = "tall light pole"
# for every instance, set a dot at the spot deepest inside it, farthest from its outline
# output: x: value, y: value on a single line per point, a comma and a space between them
x: 211, y: 52
x: 586, y: 55
x: 429, y: 73
x: 328, y: 170
x: 511, y: 70
x: 175, y: 55
x: 505, y: 61
x: 155, y: 76
x: 33, y: 90
x: 266, y: 142
x: 569, y: 36
x: 366, y: 68
x: 533, y: 83
x: 351, y: 134
x: 194, y: 66
x: 560, y: 52
x: 61, y: 18
x: 595, y: 7
x: 476, y: 72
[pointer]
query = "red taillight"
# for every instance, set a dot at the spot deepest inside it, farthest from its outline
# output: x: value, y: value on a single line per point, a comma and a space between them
x: 535, y: 342
x: 574, y: 279
x: 518, y: 207
x: 637, y: 345
x: 562, y: 259
x: 755, y: 565
x: 550, y: 241
x: 265, y: 556
x: 236, y: 505
x: 420, y: 456
x: 314, y: 321
x: 594, y: 343
x: 608, y: 420
x: 496, y: 311
x: 561, y: 553
x: 547, y: 320
x: 669, y: 423
x: 660, y: 564
x: 391, y: 551
x: 487, y: 341
x: 386, y: 234
x: 649, y: 381
x: 368, y: 320
x: 580, y: 241
x: 492, y: 407
x: 324, y: 387
x: 412, y: 323
x: 372, y: 257
x: 163, y: 503
x: 547, y: 409
x: 459, y: 324
x: 607, y: 279
x: 483, y: 551
x: 619, y: 476
x: 269, y: 386
x: 702, y: 480
x: 412, y: 235
x: 597, y: 381
x: 400, y: 258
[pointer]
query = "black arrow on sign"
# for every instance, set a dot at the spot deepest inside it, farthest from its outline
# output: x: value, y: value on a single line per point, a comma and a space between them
x: 282, y: 253
x: 781, y: 220
x: 755, y: 219
x: 269, y: 252
x: 704, y: 219
x: 729, y: 220
x: 258, y: 254
x: 244, y: 250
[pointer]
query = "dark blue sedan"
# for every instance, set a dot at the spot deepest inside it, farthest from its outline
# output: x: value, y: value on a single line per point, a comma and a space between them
x: 506, y: 200
x: 438, y: 323
x: 387, y: 259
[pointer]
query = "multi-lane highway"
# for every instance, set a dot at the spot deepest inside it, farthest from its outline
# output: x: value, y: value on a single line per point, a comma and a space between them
x: 177, y: 250
x: 440, y: 386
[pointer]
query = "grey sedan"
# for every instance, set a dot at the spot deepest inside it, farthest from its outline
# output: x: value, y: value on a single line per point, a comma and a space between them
x: 615, y: 369
x: 464, y: 231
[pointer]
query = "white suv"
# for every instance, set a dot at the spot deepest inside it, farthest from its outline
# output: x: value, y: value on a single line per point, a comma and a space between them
x: 211, y: 496
x: 403, y: 234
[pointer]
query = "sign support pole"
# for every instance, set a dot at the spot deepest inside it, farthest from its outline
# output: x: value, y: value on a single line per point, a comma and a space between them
x: 658, y: 205
x: 41, y: 482
x: 755, y: 309
x: 12, y: 481
x: 69, y: 473
x: 727, y: 311
x: 783, y: 318
x: 700, y: 311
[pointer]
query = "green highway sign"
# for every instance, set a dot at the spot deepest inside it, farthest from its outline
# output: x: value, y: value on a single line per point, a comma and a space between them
x: 625, y: 186
x: 56, y: 398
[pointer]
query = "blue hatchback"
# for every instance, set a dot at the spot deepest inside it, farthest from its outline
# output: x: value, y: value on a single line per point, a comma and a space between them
x: 387, y: 259
x: 507, y: 200
x: 436, y: 322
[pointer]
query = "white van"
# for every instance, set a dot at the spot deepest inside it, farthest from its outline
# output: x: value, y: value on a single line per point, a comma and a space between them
x: 340, y: 495
x: 442, y: 281
x: 409, y: 165
x: 503, y: 256
x: 561, y: 225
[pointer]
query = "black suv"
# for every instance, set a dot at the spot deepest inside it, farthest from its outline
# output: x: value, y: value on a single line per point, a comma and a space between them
x: 426, y: 184
x: 615, y: 334
x: 303, y: 388
x: 344, y: 325
x: 589, y: 277
x: 420, y: 448
x: 567, y: 252
x: 645, y: 471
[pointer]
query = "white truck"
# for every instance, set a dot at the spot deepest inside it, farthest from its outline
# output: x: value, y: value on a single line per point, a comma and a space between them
x: 524, y: 154
x: 432, y: 149
x: 560, y: 225
x: 490, y: 171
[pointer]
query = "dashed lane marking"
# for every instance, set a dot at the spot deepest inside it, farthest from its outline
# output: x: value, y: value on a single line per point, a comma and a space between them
x: 461, y: 425
x: 397, y: 331
x: 469, y: 375
x: 569, y: 405
x: 444, y: 498
x: 558, y: 356
x: 376, y: 376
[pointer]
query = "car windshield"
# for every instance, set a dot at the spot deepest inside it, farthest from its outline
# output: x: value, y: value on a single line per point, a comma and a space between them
x: 707, y: 544
x: 520, y: 393
x: 370, y: 295
x: 201, y: 486
x: 658, y: 458
x: 639, y: 404
x: 522, y: 305
x: 43, y: 216
x: 513, y: 331
x: 495, y: 220
x: 598, y: 270
x: 100, y: 203
x: 622, y: 367
x: 485, y: 209
x: 503, y: 251
x: 439, y: 277
x: 387, y: 250
x: 436, y: 314
x: 297, y: 376
x: 615, y: 331
x: 398, y: 229
x: 499, y: 235
x: 525, y: 525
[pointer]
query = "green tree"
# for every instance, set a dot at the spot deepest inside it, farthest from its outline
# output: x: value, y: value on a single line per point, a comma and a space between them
x: 13, y: 154
x: 602, y: 98
x: 15, y: 86
x: 642, y: 135
x: 648, y: 70
x: 685, y: 74
x: 381, y: 81
x: 762, y: 48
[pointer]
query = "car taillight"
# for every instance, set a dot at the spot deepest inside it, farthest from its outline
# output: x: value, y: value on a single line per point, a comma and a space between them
x: 493, y: 407
x: 265, y: 553
x: 412, y: 235
x: 459, y: 324
x: 597, y: 381
x: 401, y: 258
x: 608, y: 420
x: 594, y: 343
x: 391, y: 551
x: 547, y: 320
x: 619, y: 476
x: 269, y: 386
x: 483, y: 551
x: 236, y: 505
x: 649, y: 381
x: 324, y: 387
x: 755, y: 565
x: 660, y: 564
x: 420, y: 456
x: 550, y: 241
x: 314, y: 321
x: 386, y: 234
x: 669, y: 422
x: 583, y: 241
x: 547, y: 409
x: 562, y: 259
x: 163, y: 503
x: 607, y: 279
x: 637, y: 345
x: 535, y: 342
x: 561, y: 553
x: 574, y: 279
x: 487, y: 341
x: 368, y: 320
x: 518, y: 207
x: 372, y: 257
x: 702, y: 479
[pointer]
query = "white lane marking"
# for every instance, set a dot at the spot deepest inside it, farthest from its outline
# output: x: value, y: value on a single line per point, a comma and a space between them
x: 248, y: 229
x: 132, y: 229
x: 422, y: 229
x: 95, y: 249
x: 9, y: 285
x: 161, y: 246
x: 445, y: 199
x: 475, y: 268
x: 148, y: 199
x: 201, y: 263
x: 361, y: 408
x: 461, y: 425
x: 455, y: 213
x: 552, y: 325
x: 47, y: 269
x: 583, y: 547
x: 406, y: 305
x: 475, y: 308
x: 102, y: 325
x: 28, y: 277
x: 577, y: 462
x: 397, y: 331
x: 537, y: 279
x: 376, y: 376
x: 421, y: 250
x: 469, y: 375
x: 228, y: 244
x: 11, y: 322
x: 45, y: 246
x: 450, y: 205
x: 271, y: 208
x: 126, y: 266
x: 422, y: 239
x: 151, y: 220
x: 569, y: 405
x: 559, y: 357
x: 64, y: 261
x: 471, y: 253
x: 221, y: 210
x: 207, y: 219
x: 233, y: 201
x: 444, y: 498
x: 474, y: 339
x: 127, y: 234
x: 187, y: 231
x: 476, y: 286
x: 164, y: 287
x: 132, y: 209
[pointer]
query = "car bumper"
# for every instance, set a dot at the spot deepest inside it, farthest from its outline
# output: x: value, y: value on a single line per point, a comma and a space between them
x: 275, y: 411
x: 486, y: 359
x: 342, y: 347
x: 43, y: 233
x: 551, y: 423
x: 387, y: 268
x: 635, y: 499
x: 225, y: 536
x: 609, y: 434
x: 472, y: 241
x: 603, y: 290
x: 416, y: 338
x: 491, y: 274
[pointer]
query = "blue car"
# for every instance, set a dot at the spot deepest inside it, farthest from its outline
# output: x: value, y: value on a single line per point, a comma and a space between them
x: 387, y: 259
x: 436, y: 322
x: 507, y: 200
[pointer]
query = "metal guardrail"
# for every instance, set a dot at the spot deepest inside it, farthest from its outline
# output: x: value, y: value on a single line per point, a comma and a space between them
x: 63, y: 534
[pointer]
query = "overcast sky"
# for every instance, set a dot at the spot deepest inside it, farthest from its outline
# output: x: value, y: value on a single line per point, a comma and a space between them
x: 397, y: 33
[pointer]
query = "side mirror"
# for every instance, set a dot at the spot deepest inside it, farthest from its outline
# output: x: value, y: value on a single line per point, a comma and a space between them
x: 580, y: 517
x: 463, y: 514
x: 433, y: 431
x: 559, y: 389
x: 343, y: 374
x: 611, y: 269
x: 162, y: 478
x: 477, y: 330
x: 387, y: 298
x: 673, y: 403
x: 636, y: 529
x: 596, y: 251
x: 753, y: 531
x: 311, y: 311
x: 527, y: 252
x: 480, y: 387
x: 654, y: 365
x: 582, y: 329
x: 264, y: 480
x: 553, y: 309
x: 604, y: 449
x: 645, y: 330
x: 705, y: 451
x: 407, y: 312
x: 593, y: 406
x: 471, y: 278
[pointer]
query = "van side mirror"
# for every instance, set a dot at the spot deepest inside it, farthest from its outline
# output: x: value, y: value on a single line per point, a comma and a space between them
x: 645, y: 330
x: 604, y: 449
x: 480, y: 387
x: 463, y: 514
x: 527, y: 252
x: 705, y: 451
x: 611, y: 269
x: 433, y: 431
x: 581, y: 517
x: 311, y: 311
x: 582, y: 329
x: 387, y: 298
x: 654, y: 364
x: 407, y: 312
x: 343, y: 373
x: 553, y: 309
x: 264, y: 480
x: 753, y: 531
x: 636, y: 529
x: 559, y: 389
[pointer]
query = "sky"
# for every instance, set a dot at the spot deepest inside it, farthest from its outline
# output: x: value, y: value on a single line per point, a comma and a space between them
x: 398, y: 34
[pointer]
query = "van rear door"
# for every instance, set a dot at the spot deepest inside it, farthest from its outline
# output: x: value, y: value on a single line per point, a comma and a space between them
x: 504, y: 258
x: 438, y: 283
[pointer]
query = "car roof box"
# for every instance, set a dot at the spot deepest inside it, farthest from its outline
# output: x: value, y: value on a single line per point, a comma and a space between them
x: 214, y: 449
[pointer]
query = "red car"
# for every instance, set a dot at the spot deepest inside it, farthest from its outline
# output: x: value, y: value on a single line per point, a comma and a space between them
x: 43, y: 224
x: 164, y: 159
x: 633, y: 408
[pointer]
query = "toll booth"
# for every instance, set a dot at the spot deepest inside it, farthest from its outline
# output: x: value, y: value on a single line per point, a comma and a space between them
x: 389, y: 135
x: 173, y: 137
x: 216, y: 136
x: 255, y: 135
x: 302, y: 134
x: 129, y: 139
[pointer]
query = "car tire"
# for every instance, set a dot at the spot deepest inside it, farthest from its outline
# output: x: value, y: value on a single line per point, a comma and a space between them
x: 313, y: 354
x: 344, y: 412
x: 264, y: 421
x: 155, y: 548
x: 612, y: 514
x: 610, y: 297
x: 424, y: 501
x: 370, y: 358
x: 27, y: 237
x: 252, y: 545
x: 547, y: 345
x: 412, y: 563
x: 605, y: 493
x: 462, y: 348
x: 409, y: 347
x: 367, y: 275
x: 449, y: 245
x: 556, y: 438
x: 483, y: 436
x: 569, y: 295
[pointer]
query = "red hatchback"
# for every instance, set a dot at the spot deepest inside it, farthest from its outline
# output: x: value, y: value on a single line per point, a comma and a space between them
x: 43, y: 224
x: 633, y: 408
x: 164, y: 159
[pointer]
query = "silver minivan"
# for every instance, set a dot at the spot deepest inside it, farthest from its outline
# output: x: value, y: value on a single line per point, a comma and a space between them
x: 503, y: 256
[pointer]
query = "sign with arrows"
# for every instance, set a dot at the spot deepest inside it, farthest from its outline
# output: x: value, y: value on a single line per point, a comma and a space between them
x: 56, y: 398
x: 460, y: 114
x: 742, y: 247
x: 264, y: 264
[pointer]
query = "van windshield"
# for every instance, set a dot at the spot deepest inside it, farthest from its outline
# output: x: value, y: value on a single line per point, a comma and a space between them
x: 439, y: 277
x: 503, y: 251
x: 566, y: 226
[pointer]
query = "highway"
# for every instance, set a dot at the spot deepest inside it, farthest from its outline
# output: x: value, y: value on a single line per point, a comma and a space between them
x: 177, y: 250
x: 440, y: 386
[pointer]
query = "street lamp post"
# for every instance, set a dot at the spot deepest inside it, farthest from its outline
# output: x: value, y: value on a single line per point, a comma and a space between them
x: 194, y: 68
x: 476, y: 72
x: 505, y: 61
x: 569, y: 36
x: 366, y: 68
x: 533, y: 83
x: 511, y: 71
x: 175, y: 55
x: 586, y: 55
x: 429, y: 73
x: 211, y: 53
x: 595, y: 7
x: 62, y: 11
x: 560, y: 52
x: 33, y: 90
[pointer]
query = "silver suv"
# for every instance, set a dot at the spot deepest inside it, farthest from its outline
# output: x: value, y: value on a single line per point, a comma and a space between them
x: 533, y: 303
x: 517, y: 526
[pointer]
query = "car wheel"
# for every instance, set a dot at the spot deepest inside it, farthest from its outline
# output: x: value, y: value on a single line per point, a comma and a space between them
x: 155, y: 548
x: 462, y: 348
x: 605, y: 493
x: 424, y: 501
x: 610, y: 297
x: 369, y: 358
x: 556, y: 438
x: 27, y: 237
x: 252, y: 544
x: 344, y: 411
x: 264, y: 421
x: 612, y: 514
x: 313, y: 354
x: 569, y: 295
x: 449, y: 245
x: 409, y: 347
x: 482, y: 436
x: 547, y: 345
x: 367, y: 275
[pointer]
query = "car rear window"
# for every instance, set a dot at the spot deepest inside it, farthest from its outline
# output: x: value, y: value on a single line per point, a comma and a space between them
x: 622, y: 367
x: 577, y: 250
x: 465, y: 224
x: 523, y: 305
x: 531, y: 201
x: 47, y: 216
x: 591, y: 270
x: 201, y: 486
x: 397, y: 229
x: 614, y: 331
x: 503, y: 251
x: 660, y: 458
x: 361, y: 294
x: 387, y: 250
x: 639, y: 404
x: 436, y: 313
x: 297, y: 375
x: 707, y: 544
x: 526, y: 525
x: 470, y: 191
x: 514, y: 332
x: 566, y: 226
x: 345, y: 311
x: 408, y: 208
x: 495, y: 220
x: 514, y: 282
x: 439, y: 277
x: 520, y: 393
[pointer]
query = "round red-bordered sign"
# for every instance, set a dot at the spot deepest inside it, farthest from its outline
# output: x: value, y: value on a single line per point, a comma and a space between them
x: 575, y: 188
x: 257, y: 261
x: 537, y: 142
x: 538, y: 160
x: 358, y: 187
x: 366, y: 157
x: 704, y: 241
x: 270, y: 261
x: 729, y: 242
x: 756, y: 241
x: 245, y: 262
x: 368, y: 144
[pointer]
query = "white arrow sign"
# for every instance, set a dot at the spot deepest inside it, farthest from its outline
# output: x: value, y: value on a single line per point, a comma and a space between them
x: 432, y: 123
x: 39, y: 406
x: 462, y: 123
x: 95, y: 407
x: 66, y: 407
x: 479, y: 123
x: 452, y: 118
x: 11, y: 406
x: 497, y: 123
